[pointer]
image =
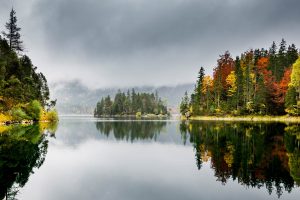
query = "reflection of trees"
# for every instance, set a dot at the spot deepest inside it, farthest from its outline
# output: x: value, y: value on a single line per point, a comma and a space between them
x: 22, y: 148
x: 254, y: 154
x: 131, y: 130
x: 292, y: 140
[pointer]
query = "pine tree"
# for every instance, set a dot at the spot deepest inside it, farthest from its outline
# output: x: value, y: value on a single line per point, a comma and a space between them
x: 273, y: 59
x: 282, y: 62
x: 292, y: 55
x: 12, y: 35
x: 197, y: 106
x: 239, y: 82
x: 291, y: 96
x: 184, y: 105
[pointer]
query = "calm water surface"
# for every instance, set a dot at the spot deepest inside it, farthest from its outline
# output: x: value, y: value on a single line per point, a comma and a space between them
x: 85, y: 158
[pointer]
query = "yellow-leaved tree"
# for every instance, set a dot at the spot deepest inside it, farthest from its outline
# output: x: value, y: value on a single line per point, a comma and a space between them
x: 295, y: 77
x: 231, y: 82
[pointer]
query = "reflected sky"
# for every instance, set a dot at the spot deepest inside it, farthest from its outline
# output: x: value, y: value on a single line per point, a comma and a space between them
x: 84, y: 163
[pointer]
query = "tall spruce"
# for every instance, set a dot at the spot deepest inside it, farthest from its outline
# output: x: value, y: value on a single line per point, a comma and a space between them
x: 184, y: 105
x: 197, y: 106
x: 292, y: 55
x: 281, y: 60
x: 273, y: 59
x: 239, y: 83
x: 13, y: 33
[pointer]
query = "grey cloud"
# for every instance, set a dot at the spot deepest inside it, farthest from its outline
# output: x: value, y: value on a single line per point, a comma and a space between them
x: 132, y: 42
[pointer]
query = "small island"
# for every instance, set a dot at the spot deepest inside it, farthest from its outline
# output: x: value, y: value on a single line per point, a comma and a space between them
x: 24, y: 92
x: 132, y: 104
x: 259, y: 85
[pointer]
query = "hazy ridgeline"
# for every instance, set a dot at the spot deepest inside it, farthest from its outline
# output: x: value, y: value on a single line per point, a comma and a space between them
x: 74, y: 97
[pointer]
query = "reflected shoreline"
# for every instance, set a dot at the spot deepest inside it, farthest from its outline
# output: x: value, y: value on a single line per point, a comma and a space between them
x: 23, y: 149
x: 255, y: 154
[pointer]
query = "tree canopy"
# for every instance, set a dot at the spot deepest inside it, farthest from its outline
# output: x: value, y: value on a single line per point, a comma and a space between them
x: 130, y: 104
x: 257, y: 82
x: 22, y: 87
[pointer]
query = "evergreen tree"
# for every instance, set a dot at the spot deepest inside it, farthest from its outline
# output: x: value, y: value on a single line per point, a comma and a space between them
x: 239, y: 83
x: 261, y: 96
x: 292, y: 55
x: 291, y: 97
x: 282, y: 61
x: 273, y: 59
x: 197, y: 104
x: 184, y: 105
x: 12, y: 35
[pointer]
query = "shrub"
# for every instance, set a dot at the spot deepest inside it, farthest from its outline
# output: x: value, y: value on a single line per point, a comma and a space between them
x: 50, y: 116
x: 33, y: 110
x: 138, y: 114
x: 18, y: 114
x: 5, y: 118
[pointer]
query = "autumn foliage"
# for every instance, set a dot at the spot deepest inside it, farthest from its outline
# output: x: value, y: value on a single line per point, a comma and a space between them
x: 257, y: 82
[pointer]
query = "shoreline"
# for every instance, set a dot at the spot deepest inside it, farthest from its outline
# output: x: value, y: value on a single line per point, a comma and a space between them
x: 24, y: 122
x: 133, y: 116
x: 288, y: 119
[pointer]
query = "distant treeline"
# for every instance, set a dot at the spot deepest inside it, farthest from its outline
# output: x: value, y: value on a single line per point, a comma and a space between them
x: 24, y: 92
x: 131, y: 104
x: 264, y: 82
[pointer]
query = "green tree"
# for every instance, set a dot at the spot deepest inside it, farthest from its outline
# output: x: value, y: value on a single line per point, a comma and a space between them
x: 239, y: 83
x: 282, y: 61
x: 199, y: 97
x: 273, y: 60
x: 12, y: 35
x: 184, y: 105
x: 292, y: 55
x: 295, y: 77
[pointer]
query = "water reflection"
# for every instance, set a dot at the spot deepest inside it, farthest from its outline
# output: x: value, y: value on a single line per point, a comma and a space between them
x: 256, y: 155
x: 22, y: 148
x: 131, y: 130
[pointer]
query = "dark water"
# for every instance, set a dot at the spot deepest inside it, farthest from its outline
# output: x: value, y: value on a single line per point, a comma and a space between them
x: 113, y: 159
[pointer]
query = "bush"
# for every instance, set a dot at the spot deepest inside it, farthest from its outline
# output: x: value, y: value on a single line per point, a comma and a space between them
x: 5, y: 118
x: 138, y: 114
x: 50, y: 116
x: 33, y: 110
x: 18, y: 114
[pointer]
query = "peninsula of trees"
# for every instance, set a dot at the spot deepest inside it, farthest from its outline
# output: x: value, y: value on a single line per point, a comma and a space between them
x: 132, y: 103
x: 24, y: 93
x: 259, y: 82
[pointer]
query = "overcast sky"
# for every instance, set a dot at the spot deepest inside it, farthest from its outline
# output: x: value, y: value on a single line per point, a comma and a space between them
x: 145, y: 42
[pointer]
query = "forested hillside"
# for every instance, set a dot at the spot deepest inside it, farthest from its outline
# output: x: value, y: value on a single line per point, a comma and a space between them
x: 260, y: 81
x: 24, y: 92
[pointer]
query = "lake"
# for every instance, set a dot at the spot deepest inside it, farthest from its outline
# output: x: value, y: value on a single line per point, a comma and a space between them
x: 87, y: 158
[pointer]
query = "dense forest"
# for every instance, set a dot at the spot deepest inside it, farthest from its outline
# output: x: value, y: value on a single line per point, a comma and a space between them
x: 260, y: 81
x: 131, y: 103
x: 24, y: 92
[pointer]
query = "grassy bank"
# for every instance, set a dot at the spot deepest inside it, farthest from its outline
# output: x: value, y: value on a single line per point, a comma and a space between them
x: 246, y: 118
